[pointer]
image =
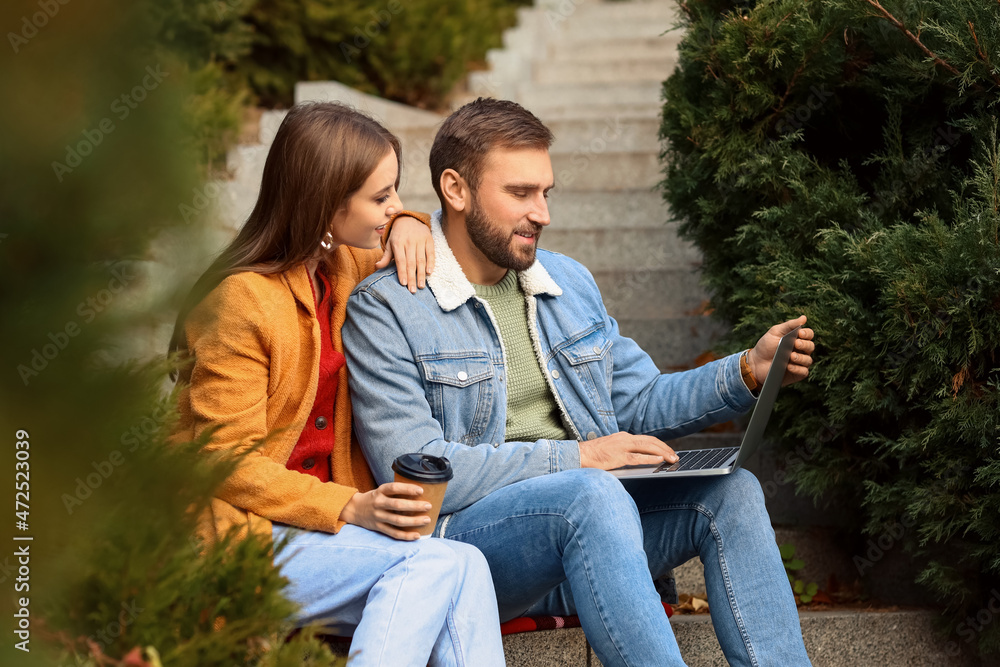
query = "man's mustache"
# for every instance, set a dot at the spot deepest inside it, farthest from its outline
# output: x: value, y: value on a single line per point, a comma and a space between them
x: 535, y: 230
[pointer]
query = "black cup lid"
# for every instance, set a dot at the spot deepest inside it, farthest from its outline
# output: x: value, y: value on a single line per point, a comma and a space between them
x: 424, y: 468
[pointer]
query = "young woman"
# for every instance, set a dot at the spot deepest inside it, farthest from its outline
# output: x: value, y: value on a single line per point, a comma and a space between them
x: 268, y: 379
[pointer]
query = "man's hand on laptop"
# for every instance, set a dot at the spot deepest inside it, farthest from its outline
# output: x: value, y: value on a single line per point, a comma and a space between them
x: 624, y: 449
x: 761, y: 355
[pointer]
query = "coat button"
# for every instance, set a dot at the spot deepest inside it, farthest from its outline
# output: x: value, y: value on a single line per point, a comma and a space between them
x: 591, y: 436
x: 597, y: 350
x: 321, y: 422
x: 308, y: 464
x: 463, y: 376
x: 555, y: 374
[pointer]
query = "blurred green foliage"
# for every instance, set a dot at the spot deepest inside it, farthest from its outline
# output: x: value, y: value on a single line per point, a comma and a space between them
x: 239, y: 53
x: 205, y: 39
x: 410, y: 51
x: 96, y: 157
x: 840, y: 159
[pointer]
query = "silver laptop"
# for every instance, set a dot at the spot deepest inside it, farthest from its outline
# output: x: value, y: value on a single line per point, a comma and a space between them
x: 724, y: 460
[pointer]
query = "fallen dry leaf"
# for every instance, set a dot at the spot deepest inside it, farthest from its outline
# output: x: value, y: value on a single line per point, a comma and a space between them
x: 691, y: 604
x: 822, y: 598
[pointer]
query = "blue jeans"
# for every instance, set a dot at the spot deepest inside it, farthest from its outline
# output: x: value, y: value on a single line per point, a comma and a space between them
x: 578, y: 542
x: 425, y: 601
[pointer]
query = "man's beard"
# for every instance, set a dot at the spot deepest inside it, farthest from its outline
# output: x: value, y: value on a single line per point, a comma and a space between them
x: 497, y: 244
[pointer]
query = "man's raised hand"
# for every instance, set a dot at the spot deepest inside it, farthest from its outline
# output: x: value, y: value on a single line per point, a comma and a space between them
x: 762, y: 354
x: 624, y: 449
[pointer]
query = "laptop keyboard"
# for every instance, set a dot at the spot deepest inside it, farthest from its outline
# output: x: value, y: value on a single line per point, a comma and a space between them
x: 699, y: 459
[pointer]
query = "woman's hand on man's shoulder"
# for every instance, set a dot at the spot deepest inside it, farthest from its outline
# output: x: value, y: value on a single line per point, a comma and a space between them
x: 411, y: 245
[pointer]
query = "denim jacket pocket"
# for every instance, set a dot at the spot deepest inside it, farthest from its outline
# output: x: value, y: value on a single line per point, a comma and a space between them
x: 591, y: 360
x: 459, y: 380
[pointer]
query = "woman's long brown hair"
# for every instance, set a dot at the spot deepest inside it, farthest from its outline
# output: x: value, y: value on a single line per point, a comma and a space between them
x: 322, y: 154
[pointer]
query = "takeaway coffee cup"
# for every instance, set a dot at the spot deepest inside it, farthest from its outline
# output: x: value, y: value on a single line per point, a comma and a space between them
x: 432, y: 474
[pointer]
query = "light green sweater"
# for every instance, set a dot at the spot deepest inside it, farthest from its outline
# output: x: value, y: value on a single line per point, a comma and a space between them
x: 532, y: 412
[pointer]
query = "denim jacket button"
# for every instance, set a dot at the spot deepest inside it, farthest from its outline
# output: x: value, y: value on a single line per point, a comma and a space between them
x: 555, y: 374
x: 463, y: 376
x: 597, y: 350
x: 591, y: 436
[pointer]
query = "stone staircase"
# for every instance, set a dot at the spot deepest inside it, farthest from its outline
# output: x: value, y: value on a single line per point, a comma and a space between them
x: 592, y: 71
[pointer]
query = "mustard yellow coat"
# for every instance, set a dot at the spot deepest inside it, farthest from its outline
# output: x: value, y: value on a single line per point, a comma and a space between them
x: 255, y: 341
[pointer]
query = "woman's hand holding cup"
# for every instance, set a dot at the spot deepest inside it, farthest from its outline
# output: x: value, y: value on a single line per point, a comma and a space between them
x: 393, y: 509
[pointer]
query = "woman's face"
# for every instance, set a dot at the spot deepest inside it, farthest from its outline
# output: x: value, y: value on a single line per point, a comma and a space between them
x: 360, y: 224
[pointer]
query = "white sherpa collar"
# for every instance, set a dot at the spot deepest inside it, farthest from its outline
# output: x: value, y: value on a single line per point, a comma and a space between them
x: 450, y: 286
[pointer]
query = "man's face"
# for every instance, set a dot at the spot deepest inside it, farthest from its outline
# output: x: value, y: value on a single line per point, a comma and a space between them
x: 509, y: 209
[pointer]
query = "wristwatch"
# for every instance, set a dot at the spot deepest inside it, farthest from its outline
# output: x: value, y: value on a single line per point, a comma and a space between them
x: 748, y: 377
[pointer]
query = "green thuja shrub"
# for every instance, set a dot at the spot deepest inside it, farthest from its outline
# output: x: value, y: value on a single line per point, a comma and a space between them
x: 411, y: 51
x: 841, y: 159
x: 203, y: 40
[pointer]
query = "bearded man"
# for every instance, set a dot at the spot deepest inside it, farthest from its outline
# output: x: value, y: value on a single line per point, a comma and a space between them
x: 511, y: 367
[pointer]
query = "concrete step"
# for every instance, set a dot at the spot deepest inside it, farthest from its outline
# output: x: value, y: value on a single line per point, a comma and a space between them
x: 246, y: 163
x: 269, y: 123
x: 565, y: 49
x: 832, y: 639
x: 422, y: 203
x: 393, y: 115
x: 555, y: 110
x: 550, y: 98
x: 610, y: 20
x: 607, y: 171
x: 598, y: 135
x: 639, y: 12
x: 235, y: 201
x: 620, y: 70
x: 626, y: 251
x: 415, y: 183
x: 650, y: 295
x: 416, y: 178
x: 596, y: 28
x: 837, y: 639
x: 639, y: 209
x: 675, y: 342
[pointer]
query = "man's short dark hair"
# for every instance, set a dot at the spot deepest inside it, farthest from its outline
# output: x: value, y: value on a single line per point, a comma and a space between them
x: 467, y: 135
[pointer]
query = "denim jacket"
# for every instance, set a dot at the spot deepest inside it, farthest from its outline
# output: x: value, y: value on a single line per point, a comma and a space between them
x: 427, y: 374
